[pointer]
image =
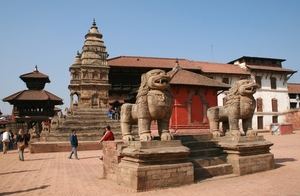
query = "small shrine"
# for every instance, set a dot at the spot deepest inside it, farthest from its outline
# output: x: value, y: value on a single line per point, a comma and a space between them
x: 35, y: 105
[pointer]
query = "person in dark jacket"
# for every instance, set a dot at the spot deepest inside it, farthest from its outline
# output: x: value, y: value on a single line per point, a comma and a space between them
x: 74, y: 144
x: 20, y: 138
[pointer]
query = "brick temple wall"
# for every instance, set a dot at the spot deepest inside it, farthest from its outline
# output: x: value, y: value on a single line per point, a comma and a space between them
x: 293, y: 116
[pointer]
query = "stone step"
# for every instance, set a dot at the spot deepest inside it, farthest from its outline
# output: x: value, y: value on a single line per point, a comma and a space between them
x: 208, y: 161
x: 81, y: 137
x: 212, y: 171
x: 87, y: 116
x: 216, y: 178
x: 190, y: 137
x: 208, y: 152
x: 194, y: 145
x: 90, y: 122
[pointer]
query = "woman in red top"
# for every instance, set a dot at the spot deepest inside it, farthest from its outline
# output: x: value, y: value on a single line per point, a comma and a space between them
x: 107, y: 136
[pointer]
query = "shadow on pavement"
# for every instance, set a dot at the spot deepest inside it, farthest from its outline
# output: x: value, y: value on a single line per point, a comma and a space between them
x: 22, y: 191
x: 90, y: 157
x: 282, y: 160
x: 18, y: 171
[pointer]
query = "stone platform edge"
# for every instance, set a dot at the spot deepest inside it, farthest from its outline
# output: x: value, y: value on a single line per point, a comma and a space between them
x: 47, y: 147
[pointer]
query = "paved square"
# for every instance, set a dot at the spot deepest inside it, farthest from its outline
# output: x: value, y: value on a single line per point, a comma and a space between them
x: 55, y: 174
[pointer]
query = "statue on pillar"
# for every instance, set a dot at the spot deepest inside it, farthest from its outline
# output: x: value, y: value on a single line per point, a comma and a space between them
x: 154, y: 101
x: 240, y: 105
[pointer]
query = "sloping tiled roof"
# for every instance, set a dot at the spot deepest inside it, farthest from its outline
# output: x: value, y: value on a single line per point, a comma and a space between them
x: 169, y: 63
x: 251, y: 57
x: 185, y: 77
x: 221, y: 68
x: 293, y: 88
x: 36, y: 95
x: 35, y: 74
x: 152, y: 62
x: 269, y: 68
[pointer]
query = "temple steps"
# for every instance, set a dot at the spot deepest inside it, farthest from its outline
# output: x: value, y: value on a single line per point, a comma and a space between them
x: 212, y: 171
x: 209, y: 161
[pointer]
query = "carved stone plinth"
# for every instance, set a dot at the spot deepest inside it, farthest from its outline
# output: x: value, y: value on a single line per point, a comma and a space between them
x: 147, y: 165
x: 247, y: 154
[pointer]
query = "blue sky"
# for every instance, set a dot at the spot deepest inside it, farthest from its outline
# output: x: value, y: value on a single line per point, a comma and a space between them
x: 49, y: 33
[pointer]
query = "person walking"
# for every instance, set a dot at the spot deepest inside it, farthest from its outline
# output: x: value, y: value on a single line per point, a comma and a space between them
x: 1, y: 137
x: 11, y: 138
x: 21, y: 141
x: 74, y: 144
x: 5, y: 141
x: 108, y: 136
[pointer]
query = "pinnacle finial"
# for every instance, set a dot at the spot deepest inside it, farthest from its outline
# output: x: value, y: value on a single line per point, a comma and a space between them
x: 177, y: 66
x: 36, y: 68
x: 94, y: 22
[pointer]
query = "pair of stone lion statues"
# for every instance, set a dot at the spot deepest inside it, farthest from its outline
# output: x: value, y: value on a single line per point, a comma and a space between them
x: 155, y: 101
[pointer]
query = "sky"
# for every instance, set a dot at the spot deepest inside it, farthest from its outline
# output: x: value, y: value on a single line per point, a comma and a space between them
x: 49, y: 34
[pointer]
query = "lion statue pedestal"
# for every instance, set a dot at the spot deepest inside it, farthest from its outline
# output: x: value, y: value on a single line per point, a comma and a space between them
x: 154, y: 101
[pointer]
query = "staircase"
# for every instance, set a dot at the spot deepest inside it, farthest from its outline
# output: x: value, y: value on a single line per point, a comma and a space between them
x: 89, y: 125
x: 209, y: 161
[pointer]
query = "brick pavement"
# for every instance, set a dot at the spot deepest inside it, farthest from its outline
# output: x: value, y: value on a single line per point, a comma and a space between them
x: 54, y: 174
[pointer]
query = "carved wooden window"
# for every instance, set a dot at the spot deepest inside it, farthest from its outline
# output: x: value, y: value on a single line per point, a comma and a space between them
x: 260, y: 122
x: 273, y: 83
x: 293, y: 105
x: 258, y: 81
x: 259, y: 105
x: 275, y: 119
x: 274, y: 105
x: 225, y: 80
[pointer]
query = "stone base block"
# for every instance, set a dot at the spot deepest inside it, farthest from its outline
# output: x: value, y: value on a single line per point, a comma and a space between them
x: 149, y: 177
x: 247, y: 154
x: 243, y: 165
x: 147, y: 165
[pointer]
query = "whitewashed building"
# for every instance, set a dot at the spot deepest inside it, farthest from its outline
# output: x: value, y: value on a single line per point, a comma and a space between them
x: 272, y: 97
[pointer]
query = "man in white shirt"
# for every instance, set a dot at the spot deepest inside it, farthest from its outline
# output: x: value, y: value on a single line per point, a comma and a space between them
x: 5, y: 141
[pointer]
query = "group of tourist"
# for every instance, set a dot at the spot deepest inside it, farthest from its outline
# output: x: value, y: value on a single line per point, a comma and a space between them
x: 108, y: 135
x: 22, y: 141
x: 114, y: 113
x: 7, y: 141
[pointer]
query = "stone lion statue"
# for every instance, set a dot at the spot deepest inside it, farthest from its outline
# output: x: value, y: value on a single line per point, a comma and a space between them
x: 45, y: 126
x: 240, y: 105
x: 154, y: 101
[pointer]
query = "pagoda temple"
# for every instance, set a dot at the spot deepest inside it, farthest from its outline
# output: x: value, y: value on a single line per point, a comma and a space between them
x: 34, y: 105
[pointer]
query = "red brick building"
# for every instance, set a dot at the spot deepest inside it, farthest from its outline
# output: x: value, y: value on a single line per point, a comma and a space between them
x: 193, y: 92
x: 193, y: 95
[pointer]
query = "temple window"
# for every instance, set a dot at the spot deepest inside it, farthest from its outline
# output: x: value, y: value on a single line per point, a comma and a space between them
x: 259, y: 105
x: 273, y: 83
x: 274, y: 105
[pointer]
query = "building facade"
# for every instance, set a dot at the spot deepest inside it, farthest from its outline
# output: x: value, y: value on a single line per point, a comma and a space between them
x: 272, y: 97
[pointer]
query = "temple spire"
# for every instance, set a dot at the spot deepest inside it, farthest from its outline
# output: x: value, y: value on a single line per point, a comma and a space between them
x: 36, y: 69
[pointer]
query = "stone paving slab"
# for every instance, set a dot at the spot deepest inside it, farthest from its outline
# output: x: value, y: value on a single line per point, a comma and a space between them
x: 55, y: 174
